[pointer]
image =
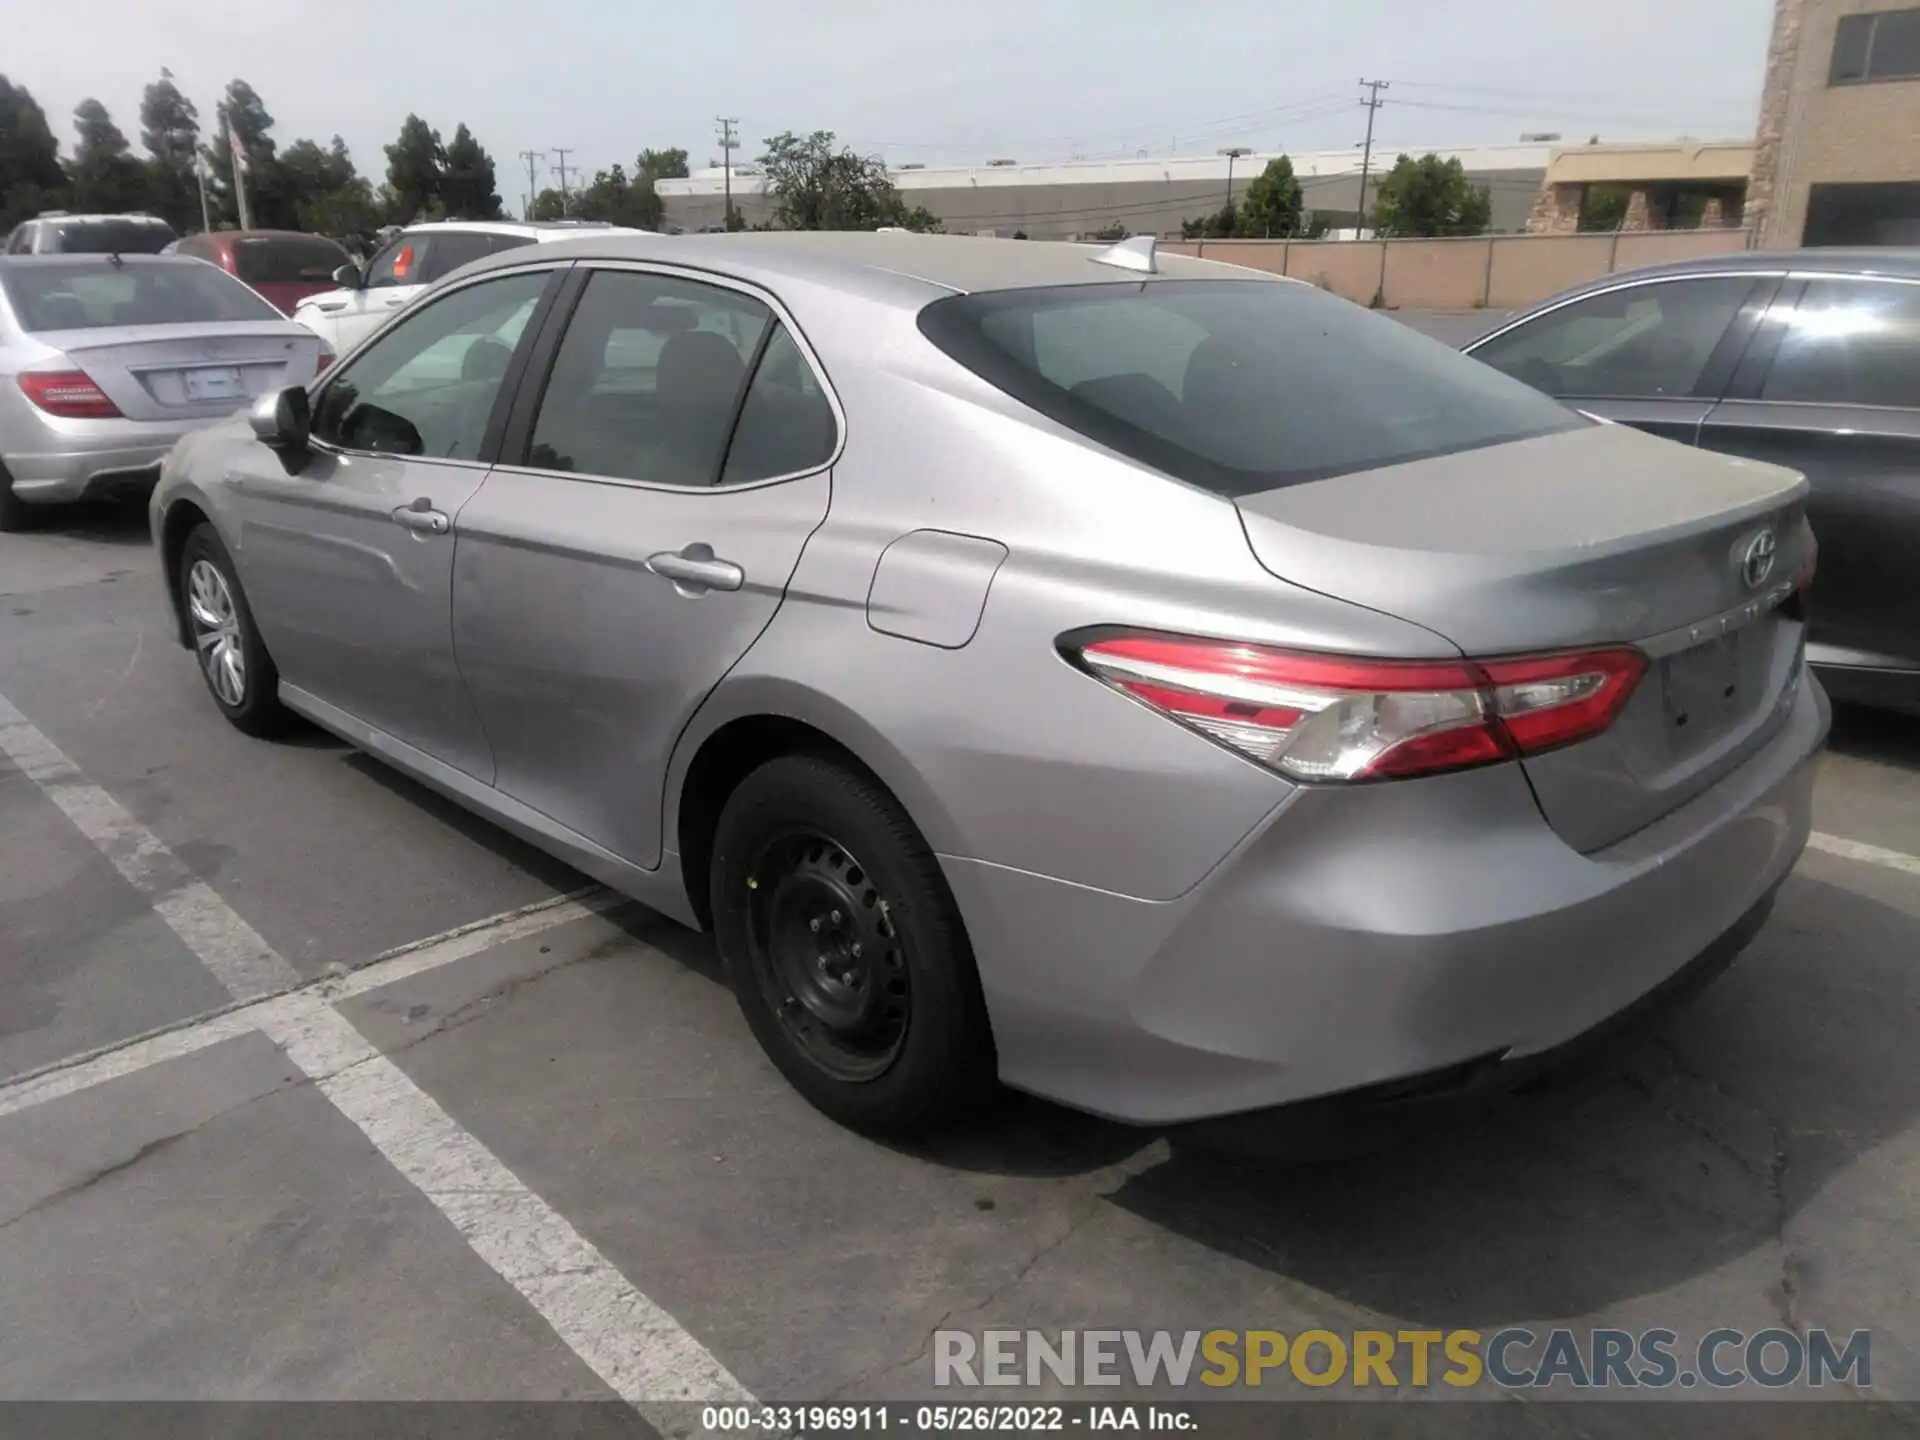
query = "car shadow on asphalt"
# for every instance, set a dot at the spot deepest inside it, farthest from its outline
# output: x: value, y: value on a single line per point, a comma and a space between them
x: 105, y: 522
x: 1886, y: 737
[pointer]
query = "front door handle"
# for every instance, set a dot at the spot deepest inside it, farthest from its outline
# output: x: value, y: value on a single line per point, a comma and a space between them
x: 421, y: 518
x: 694, y: 570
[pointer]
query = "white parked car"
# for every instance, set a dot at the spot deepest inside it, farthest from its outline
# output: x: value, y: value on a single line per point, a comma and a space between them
x: 409, y: 263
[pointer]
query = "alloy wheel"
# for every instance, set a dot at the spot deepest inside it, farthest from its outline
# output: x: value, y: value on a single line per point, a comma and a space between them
x: 216, y: 632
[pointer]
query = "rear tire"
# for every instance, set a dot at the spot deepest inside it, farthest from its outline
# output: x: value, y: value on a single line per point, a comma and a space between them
x: 846, y: 950
x: 233, y: 659
x: 15, y: 514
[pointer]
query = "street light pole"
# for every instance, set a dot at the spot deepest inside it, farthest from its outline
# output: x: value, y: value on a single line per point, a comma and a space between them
x: 1233, y: 153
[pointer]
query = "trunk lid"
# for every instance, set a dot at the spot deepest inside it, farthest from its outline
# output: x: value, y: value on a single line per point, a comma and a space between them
x: 189, y: 371
x: 1587, y: 537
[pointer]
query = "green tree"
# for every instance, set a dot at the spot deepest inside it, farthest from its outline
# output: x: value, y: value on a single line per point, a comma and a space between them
x: 243, y: 115
x: 1430, y: 196
x: 612, y: 197
x: 653, y: 165
x: 1271, y: 205
x: 1111, y: 234
x: 1215, y: 226
x: 416, y: 163
x: 550, y: 204
x: 467, y: 183
x: 105, y: 176
x: 170, y: 131
x: 31, y: 179
x: 817, y: 184
x: 330, y: 197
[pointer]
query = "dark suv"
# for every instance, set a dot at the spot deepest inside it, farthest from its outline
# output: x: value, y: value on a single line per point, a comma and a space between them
x: 1809, y: 359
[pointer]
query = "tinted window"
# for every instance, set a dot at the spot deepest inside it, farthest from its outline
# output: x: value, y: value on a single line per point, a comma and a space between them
x: 427, y: 386
x: 647, y: 378
x: 455, y: 248
x: 94, y: 294
x: 1850, y: 342
x: 401, y: 263
x: 283, y: 259
x: 1643, y: 342
x: 1235, y: 385
x: 111, y: 237
x: 1880, y: 46
x: 786, y: 424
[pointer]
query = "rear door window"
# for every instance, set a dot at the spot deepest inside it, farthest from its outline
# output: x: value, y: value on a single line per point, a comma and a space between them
x: 1643, y: 342
x: 1850, y: 342
x: 92, y: 296
x: 786, y: 424
x: 647, y: 379
x: 1238, y: 386
x: 118, y: 237
x: 401, y: 262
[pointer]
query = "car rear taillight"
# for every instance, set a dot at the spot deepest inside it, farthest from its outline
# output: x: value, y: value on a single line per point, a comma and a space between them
x: 327, y: 357
x: 67, y: 393
x: 1334, y: 718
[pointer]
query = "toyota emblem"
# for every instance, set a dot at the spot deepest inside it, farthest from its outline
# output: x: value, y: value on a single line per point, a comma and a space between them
x: 1756, y: 562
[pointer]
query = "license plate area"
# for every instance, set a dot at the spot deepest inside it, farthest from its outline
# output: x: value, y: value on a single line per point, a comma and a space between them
x: 214, y: 382
x: 1716, y: 686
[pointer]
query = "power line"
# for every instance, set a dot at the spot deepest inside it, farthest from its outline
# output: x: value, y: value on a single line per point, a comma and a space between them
x: 561, y: 165
x: 1373, y: 102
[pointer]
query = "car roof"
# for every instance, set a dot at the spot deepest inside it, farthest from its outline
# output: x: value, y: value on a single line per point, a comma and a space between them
x: 878, y: 262
x: 66, y: 218
x: 85, y: 259
x: 538, y: 229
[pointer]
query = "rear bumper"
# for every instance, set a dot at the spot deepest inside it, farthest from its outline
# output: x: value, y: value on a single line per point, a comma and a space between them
x: 89, y: 458
x: 1364, y: 935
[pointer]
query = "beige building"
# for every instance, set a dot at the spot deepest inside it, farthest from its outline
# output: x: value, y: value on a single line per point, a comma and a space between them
x: 1837, y: 160
x: 1668, y: 185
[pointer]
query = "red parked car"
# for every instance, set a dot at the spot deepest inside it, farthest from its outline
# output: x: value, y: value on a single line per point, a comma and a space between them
x: 285, y: 266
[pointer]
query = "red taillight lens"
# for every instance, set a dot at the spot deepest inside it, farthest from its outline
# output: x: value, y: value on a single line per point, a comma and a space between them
x: 1326, y: 717
x: 327, y: 357
x: 67, y: 393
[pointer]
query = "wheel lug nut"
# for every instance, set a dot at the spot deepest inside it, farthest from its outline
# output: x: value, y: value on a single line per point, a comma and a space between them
x: 814, y: 924
x: 836, y: 917
x: 855, y: 951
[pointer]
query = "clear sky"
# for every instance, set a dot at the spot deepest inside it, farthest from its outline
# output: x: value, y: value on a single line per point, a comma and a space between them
x: 935, y: 83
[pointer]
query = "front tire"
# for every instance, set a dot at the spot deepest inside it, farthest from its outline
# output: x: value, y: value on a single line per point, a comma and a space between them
x: 846, y: 951
x: 234, y: 662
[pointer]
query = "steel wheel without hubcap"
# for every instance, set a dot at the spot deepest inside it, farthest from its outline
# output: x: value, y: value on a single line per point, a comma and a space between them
x: 827, y: 957
x: 216, y: 632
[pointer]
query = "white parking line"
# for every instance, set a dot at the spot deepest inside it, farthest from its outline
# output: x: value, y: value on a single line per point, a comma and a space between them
x: 1860, y: 850
x: 637, y: 1348
x: 229, y: 947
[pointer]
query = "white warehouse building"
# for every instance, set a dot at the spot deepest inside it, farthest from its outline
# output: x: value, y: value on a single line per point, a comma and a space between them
x: 1148, y: 197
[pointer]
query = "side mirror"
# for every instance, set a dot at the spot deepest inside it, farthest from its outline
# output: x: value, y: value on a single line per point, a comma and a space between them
x: 282, y: 419
x: 348, y: 276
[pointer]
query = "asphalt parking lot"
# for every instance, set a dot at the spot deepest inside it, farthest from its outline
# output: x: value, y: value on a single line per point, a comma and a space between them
x: 535, y: 1154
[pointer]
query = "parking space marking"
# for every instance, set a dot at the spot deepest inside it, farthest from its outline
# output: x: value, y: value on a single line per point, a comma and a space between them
x: 69, y: 1077
x: 1860, y: 850
x: 230, y: 948
x: 638, y: 1349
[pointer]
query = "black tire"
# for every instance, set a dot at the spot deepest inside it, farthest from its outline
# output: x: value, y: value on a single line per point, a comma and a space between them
x: 797, y: 832
x: 257, y: 709
x: 15, y: 514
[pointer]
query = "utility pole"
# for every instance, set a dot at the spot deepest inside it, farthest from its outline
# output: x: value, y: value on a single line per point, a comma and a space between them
x: 1233, y: 153
x: 561, y: 165
x: 533, y: 189
x: 1373, y: 102
x: 727, y: 146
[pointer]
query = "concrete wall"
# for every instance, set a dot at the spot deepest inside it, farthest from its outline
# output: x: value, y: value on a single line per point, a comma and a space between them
x: 1501, y: 272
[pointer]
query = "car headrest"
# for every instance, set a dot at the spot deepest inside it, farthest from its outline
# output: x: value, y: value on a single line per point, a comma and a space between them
x: 699, y: 370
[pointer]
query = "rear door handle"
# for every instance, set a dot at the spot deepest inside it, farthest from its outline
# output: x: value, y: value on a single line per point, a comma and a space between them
x: 694, y: 569
x: 421, y: 518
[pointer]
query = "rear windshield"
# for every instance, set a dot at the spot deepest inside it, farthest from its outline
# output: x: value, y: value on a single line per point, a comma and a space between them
x: 1237, y: 386
x: 281, y: 259
x: 112, y: 237
x: 93, y: 297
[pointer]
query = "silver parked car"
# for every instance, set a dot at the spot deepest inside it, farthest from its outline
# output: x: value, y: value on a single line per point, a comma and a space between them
x: 106, y: 360
x: 1168, y: 688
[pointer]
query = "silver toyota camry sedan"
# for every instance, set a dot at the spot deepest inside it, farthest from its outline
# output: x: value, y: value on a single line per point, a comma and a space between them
x: 106, y: 360
x: 1158, y: 686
